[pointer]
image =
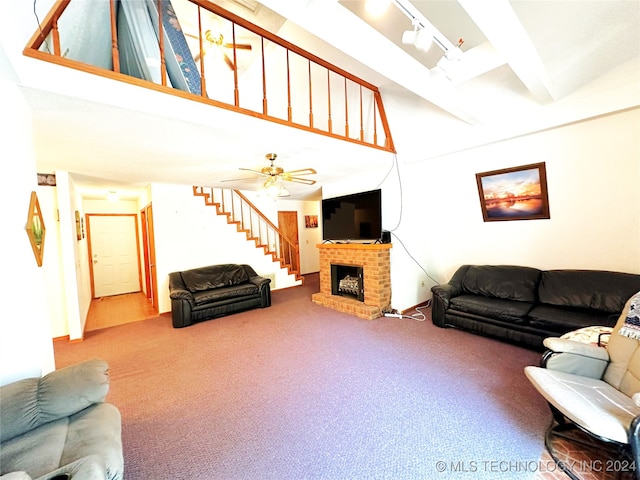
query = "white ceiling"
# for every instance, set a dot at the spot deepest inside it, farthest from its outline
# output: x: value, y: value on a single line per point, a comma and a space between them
x: 524, y: 63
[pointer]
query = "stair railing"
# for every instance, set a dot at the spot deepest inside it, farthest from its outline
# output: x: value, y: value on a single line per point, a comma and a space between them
x: 282, y: 82
x: 250, y: 220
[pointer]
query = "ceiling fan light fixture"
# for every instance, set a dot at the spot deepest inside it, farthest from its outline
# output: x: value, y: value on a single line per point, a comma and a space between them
x: 274, y: 188
x: 283, y: 192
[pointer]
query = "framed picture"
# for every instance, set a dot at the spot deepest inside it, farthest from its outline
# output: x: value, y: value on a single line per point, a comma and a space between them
x: 311, y: 221
x: 517, y: 193
x: 47, y: 179
x: 35, y: 228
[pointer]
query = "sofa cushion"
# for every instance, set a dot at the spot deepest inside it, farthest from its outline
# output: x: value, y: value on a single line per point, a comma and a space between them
x: 502, y: 281
x: 563, y: 319
x: 500, y: 309
x: 223, y: 293
x: 595, y: 289
x: 216, y: 276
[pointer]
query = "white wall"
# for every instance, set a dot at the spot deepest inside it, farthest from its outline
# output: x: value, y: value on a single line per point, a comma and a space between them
x: 56, y: 302
x: 26, y: 348
x: 593, y: 172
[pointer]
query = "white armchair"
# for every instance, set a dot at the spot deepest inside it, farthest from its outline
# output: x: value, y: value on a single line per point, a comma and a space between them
x: 595, y: 389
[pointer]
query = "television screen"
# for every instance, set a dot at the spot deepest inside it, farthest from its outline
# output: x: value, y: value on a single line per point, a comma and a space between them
x: 352, y: 217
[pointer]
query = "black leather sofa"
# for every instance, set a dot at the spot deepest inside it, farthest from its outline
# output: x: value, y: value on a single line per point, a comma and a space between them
x: 524, y: 305
x: 214, y: 291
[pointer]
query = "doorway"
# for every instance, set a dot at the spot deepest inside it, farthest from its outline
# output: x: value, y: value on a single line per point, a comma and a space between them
x: 288, y: 225
x: 114, y: 263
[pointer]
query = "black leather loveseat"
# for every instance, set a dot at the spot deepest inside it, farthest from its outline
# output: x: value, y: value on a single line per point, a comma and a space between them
x: 208, y: 292
x: 525, y: 305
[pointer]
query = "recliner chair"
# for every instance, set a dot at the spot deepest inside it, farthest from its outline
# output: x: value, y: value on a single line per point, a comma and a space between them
x: 595, y: 389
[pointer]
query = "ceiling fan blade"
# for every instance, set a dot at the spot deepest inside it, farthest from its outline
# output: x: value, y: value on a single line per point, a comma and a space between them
x: 237, y: 179
x: 306, y: 181
x: 304, y: 171
x: 255, y: 171
x: 239, y: 46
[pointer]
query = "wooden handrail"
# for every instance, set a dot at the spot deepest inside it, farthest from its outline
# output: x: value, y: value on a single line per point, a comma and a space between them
x: 49, y: 27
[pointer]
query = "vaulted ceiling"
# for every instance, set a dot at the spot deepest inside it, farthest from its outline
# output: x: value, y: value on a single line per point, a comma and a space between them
x: 523, y: 66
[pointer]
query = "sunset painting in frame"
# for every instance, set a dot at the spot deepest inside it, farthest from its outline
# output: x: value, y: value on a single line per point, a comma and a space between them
x: 517, y: 193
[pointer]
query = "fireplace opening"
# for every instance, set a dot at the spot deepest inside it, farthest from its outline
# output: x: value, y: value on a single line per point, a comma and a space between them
x: 347, y: 280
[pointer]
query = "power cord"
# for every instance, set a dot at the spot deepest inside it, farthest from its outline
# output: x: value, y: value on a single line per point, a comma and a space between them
x: 420, y: 316
x: 395, y: 166
x: 35, y: 13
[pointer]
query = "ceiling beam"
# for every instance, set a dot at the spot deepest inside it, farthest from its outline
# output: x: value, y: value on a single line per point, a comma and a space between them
x: 499, y: 23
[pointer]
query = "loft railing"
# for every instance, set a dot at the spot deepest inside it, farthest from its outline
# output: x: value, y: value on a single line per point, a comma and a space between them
x: 248, y: 219
x: 205, y: 53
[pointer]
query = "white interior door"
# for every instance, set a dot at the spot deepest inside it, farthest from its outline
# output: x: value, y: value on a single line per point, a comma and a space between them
x: 114, y: 255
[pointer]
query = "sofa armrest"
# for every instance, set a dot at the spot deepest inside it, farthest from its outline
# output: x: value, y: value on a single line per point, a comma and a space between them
x: 181, y: 294
x: 453, y: 288
x: 32, y: 402
x: 177, y: 288
x: 440, y: 302
x: 259, y: 281
x: 575, y: 357
x: 263, y: 284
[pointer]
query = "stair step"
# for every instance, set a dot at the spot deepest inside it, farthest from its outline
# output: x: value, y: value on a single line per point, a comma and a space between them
x: 210, y: 201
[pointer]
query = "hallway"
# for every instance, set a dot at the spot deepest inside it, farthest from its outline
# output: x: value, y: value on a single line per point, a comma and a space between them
x: 115, y: 310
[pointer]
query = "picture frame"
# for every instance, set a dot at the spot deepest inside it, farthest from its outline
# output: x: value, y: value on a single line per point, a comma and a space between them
x: 516, y: 193
x: 35, y: 228
x: 47, y: 179
x: 311, y: 221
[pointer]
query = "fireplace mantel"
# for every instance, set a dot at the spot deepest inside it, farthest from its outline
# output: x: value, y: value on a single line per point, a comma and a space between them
x: 375, y: 261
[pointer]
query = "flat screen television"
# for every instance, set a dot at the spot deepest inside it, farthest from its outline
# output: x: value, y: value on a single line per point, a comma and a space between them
x: 355, y: 217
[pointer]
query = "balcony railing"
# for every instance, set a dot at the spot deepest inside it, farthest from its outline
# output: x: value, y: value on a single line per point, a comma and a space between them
x: 198, y: 50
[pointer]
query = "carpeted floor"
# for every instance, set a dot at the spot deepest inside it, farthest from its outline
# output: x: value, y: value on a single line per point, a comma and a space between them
x: 300, y: 391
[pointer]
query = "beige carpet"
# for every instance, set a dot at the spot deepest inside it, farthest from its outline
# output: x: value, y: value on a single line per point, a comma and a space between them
x: 298, y: 391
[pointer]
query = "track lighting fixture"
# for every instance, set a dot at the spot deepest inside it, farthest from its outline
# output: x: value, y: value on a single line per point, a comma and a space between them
x: 424, y: 34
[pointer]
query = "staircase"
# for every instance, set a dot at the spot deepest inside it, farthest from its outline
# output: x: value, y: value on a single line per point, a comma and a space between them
x: 239, y: 211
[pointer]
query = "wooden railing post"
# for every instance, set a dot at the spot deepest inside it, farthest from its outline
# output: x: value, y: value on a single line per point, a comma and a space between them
x: 115, y: 55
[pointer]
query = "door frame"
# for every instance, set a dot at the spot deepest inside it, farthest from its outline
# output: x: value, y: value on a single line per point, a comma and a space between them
x: 291, y: 213
x: 149, y: 253
x: 90, y: 252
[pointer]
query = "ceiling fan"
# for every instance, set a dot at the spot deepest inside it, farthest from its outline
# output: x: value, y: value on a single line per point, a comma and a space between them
x: 276, y: 175
x: 217, y: 41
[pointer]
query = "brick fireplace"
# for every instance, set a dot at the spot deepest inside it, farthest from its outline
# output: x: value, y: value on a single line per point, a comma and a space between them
x: 374, y: 259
